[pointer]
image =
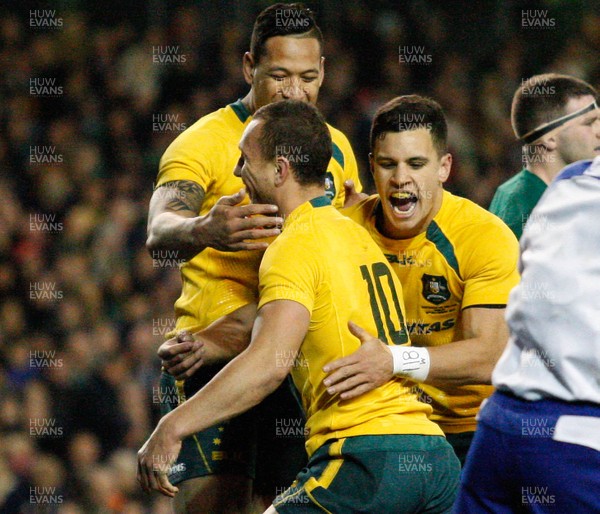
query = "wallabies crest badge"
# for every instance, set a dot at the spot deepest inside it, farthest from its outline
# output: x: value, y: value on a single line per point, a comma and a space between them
x: 435, y: 288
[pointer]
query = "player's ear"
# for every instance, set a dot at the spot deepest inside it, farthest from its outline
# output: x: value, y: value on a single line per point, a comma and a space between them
x: 248, y: 65
x: 445, y: 165
x: 549, y: 143
x: 282, y: 170
x: 371, y: 162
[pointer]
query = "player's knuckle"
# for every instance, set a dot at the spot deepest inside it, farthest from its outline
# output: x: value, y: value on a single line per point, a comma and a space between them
x: 231, y: 226
x: 255, y: 223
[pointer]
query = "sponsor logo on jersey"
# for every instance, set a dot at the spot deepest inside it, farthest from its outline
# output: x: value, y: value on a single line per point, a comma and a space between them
x: 421, y: 328
x: 435, y: 288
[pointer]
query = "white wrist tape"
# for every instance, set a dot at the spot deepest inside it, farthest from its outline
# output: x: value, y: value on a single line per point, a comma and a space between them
x: 411, y: 361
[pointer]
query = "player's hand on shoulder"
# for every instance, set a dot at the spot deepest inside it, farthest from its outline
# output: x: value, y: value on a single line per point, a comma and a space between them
x: 362, y: 371
x: 182, y: 355
x: 233, y: 227
x: 351, y: 197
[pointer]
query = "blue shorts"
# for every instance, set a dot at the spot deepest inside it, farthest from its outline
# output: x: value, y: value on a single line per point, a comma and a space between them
x: 515, y: 463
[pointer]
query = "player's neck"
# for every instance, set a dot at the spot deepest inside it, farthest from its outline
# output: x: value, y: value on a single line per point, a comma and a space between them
x: 248, y: 102
x: 546, y: 171
x: 290, y: 201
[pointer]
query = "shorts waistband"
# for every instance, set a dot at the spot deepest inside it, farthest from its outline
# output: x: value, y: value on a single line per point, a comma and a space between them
x: 385, y: 442
x: 554, y: 405
x: 512, y: 415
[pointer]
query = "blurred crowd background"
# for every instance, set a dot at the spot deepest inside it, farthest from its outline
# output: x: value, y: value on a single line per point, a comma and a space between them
x: 91, y: 94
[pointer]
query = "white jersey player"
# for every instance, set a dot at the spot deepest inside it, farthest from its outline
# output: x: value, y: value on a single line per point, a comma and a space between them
x: 537, y: 446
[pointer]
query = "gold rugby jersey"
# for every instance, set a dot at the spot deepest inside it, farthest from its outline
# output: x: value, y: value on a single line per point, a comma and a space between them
x: 331, y: 266
x: 217, y: 283
x: 466, y: 258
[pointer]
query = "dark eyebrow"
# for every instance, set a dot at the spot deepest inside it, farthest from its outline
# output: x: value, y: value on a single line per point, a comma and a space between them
x: 413, y: 158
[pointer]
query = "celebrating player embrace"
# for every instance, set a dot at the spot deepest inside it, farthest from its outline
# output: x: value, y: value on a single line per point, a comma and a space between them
x: 199, y: 210
x: 322, y: 272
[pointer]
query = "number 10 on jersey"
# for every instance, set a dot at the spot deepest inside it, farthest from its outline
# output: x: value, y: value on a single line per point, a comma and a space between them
x: 380, y: 298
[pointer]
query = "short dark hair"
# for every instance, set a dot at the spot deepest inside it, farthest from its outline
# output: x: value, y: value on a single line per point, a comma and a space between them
x: 542, y: 98
x: 283, y: 20
x: 411, y: 112
x: 296, y: 130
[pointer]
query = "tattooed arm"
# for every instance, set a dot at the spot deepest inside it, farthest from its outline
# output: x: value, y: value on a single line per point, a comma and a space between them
x: 172, y: 209
x: 174, y: 224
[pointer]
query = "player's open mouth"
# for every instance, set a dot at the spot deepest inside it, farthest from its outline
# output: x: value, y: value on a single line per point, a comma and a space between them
x: 403, y: 203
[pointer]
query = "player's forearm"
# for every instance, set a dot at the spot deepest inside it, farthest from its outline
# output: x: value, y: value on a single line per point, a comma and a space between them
x: 466, y: 362
x: 241, y: 385
x: 177, y: 233
x: 228, y: 336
